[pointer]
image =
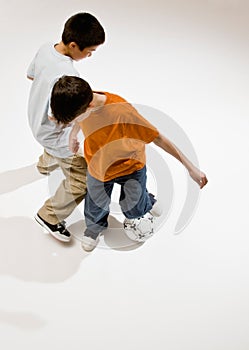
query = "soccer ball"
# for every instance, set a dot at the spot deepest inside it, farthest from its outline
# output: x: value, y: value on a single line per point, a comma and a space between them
x: 140, y: 229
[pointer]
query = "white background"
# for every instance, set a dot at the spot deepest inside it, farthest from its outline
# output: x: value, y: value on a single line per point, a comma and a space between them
x: 178, y: 292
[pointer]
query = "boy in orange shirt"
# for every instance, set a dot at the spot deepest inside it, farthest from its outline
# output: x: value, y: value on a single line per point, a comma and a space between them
x: 114, y: 148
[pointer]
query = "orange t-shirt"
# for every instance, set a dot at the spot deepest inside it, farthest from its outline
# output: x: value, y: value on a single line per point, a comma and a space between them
x: 115, y: 138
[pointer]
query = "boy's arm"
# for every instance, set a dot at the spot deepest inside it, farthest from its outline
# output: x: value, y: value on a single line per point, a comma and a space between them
x: 198, y: 176
x: 73, y: 140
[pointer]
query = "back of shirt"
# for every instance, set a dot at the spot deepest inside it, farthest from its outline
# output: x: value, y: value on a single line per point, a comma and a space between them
x: 47, y: 66
x: 115, y: 137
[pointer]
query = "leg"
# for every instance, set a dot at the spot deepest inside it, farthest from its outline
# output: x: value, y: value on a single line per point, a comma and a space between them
x: 136, y: 204
x: 46, y: 163
x: 135, y: 201
x: 69, y: 194
x: 97, y: 203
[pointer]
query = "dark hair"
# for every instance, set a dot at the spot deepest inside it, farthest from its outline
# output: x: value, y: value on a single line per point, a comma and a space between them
x: 83, y: 29
x: 70, y: 97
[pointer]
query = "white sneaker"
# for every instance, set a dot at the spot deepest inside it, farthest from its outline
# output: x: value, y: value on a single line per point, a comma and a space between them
x: 88, y: 243
x: 156, y: 210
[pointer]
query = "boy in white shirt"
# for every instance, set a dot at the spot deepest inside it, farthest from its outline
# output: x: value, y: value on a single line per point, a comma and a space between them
x: 81, y: 36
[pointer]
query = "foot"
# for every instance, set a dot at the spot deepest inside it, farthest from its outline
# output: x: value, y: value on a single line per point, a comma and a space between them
x: 89, y: 244
x: 156, y: 210
x: 59, y: 230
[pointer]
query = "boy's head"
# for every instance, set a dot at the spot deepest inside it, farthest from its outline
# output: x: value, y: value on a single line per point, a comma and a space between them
x: 84, y: 31
x: 70, y: 98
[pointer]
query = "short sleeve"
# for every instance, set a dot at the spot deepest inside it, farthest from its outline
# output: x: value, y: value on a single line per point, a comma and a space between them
x: 31, y: 69
x: 140, y: 128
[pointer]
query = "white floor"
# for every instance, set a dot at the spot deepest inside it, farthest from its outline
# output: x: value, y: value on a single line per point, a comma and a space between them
x: 189, y: 60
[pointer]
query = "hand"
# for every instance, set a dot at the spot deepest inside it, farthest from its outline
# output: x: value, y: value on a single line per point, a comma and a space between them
x: 199, y: 177
x: 74, y: 144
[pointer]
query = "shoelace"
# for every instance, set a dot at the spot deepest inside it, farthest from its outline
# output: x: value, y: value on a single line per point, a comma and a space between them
x: 62, y: 229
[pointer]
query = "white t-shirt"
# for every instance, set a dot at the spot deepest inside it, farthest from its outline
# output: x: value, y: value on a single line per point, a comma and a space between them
x: 47, y: 66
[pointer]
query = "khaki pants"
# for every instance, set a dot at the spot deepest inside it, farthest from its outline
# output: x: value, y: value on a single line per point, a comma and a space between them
x: 71, y: 191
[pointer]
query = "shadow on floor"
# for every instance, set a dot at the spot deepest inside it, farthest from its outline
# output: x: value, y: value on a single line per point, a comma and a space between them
x: 26, y: 321
x: 29, y: 254
x: 113, y: 237
x: 11, y: 180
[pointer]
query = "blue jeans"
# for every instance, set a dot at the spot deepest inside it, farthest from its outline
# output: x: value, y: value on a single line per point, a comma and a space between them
x: 134, y: 200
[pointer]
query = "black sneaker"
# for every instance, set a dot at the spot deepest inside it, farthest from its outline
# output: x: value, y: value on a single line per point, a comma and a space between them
x: 59, y: 230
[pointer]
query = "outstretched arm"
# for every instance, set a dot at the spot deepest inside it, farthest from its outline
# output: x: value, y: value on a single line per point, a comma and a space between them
x: 198, y: 176
x: 73, y: 140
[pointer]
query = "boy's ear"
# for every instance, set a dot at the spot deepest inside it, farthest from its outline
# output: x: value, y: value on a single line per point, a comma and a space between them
x: 72, y: 45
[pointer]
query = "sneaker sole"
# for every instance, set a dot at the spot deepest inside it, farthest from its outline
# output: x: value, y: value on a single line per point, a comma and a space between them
x: 88, y: 250
x: 88, y: 247
x: 55, y: 234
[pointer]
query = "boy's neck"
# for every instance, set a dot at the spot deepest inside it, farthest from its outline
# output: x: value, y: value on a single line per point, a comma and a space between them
x: 62, y: 49
x: 98, y: 99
